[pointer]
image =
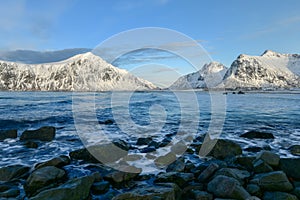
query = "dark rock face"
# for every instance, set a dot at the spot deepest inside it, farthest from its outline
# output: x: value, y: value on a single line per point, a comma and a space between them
x: 226, y: 187
x: 76, y: 189
x: 257, y: 135
x: 225, y: 149
x: 8, y: 134
x: 12, y: 172
x: 43, y: 177
x: 46, y: 133
x: 291, y: 166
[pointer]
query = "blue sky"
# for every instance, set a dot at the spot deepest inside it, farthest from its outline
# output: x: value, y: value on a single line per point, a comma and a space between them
x: 224, y: 28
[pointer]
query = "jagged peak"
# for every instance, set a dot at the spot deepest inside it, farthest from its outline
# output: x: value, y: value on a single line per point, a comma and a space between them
x: 270, y: 53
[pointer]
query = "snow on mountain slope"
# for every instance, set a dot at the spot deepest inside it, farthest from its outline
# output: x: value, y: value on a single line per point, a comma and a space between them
x: 270, y: 70
x: 209, y: 76
x: 83, y: 72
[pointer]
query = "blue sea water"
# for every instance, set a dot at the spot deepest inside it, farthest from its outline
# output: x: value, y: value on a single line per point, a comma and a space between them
x: 139, y: 114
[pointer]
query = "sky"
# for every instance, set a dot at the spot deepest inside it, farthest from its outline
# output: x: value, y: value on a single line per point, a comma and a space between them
x: 225, y: 29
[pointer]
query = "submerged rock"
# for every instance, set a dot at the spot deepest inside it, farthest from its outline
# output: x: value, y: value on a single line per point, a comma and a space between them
x: 46, y: 133
x: 13, y: 172
x: 43, y: 177
x: 8, y: 134
x: 257, y: 135
x: 76, y: 189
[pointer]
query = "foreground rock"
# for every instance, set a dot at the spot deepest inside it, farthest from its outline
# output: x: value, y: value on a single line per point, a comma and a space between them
x: 279, y: 196
x: 257, y: 135
x: 225, y: 149
x: 46, y: 133
x: 13, y: 172
x: 226, y: 187
x: 181, y: 179
x: 8, y: 134
x: 43, y: 177
x: 169, y: 191
x: 76, y: 189
x: 291, y: 166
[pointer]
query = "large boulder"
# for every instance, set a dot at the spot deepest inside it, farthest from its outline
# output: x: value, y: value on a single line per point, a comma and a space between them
x: 224, y: 149
x: 257, y: 135
x: 76, y: 189
x: 273, y: 181
x: 8, y: 134
x: 46, y: 133
x: 279, y: 196
x: 12, y: 172
x: 226, y: 187
x: 291, y: 167
x: 43, y: 177
x: 168, y: 191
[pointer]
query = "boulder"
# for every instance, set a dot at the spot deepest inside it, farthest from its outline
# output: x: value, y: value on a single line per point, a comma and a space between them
x: 208, y: 172
x: 43, y: 177
x: 291, y: 167
x: 295, y: 150
x: 226, y: 187
x: 46, y: 133
x: 260, y: 166
x: 180, y: 178
x: 201, y: 195
x: 296, y: 192
x: 254, y: 189
x: 118, y: 177
x: 13, y: 172
x: 121, y: 144
x: 279, y: 196
x: 240, y: 175
x: 13, y: 192
x: 100, y: 187
x: 4, y: 134
x: 269, y: 157
x: 224, y: 149
x: 76, y: 189
x: 257, y: 135
x: 168, y: 191
x: 245, y: 162
x: 56, y: 162
x: 177, y: 166
x: 273, y: 181
x: 144, y: 141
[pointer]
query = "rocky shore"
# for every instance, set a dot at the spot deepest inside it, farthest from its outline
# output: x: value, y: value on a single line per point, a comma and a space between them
x: 226, y: 173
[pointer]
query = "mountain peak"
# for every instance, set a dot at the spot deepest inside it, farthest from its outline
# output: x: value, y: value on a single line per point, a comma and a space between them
x: 270, y: 53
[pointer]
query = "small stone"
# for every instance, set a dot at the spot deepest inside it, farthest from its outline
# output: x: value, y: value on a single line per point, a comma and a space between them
x: 260, y: 166
x: 46, y: 133
x: 56, y: 162
x: 208, y: 172
x: 291, y: 167
x: 100, y: 187
x: 8, y: 134
x: 257, y: 135
x: 226, y: 187
x: 13, y: 172
x: 279, y: 196
x: 269, y: 157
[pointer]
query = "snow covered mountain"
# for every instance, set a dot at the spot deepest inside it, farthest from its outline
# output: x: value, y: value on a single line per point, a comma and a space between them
x: 83, y: 72
x: 270, y: 70
x: 209, y: 76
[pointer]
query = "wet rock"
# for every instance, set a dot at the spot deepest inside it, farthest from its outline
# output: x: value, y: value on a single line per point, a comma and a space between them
x: 226, y: 187
x: 208, y: 172
x: 201, y: 195
x: 269, y: 157
x: 279, y: 196
x: 169, y: 191
x: 107, y: 122
x: 46, y: 133
x: 13, y: 172
x: 148, y: 149
x: 58, y: 162
x: 121, y: 144
x: 179, y: 148
x: 240, y: 175
x: 254, y: 190
x: 187, y: 192
x: 43, y: 177
x: 224, y: 149
x: 76, y: 189
x: 260, y: 166
x: 257, y: 135
x: 144, y: 141
x: 177, y: 166
x: 181, y: 179
x: 241, y: 92
x: 273, y: 181
x: 245, y: 161
x: 100, y: 187
x: 291, y: 167
x: 13, y: 192
x: 295, y: 150
x: 118, y: 177
x: 31, y: 144
x: 83, y: 154
x: 165, y: 160
x: 8, y: 134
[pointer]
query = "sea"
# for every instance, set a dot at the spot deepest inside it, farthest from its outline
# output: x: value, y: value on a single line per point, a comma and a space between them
x: 90, y: 118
